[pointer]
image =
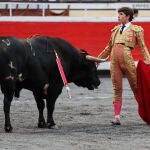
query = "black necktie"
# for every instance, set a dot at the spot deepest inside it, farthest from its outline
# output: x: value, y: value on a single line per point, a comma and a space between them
x: 123, y: 26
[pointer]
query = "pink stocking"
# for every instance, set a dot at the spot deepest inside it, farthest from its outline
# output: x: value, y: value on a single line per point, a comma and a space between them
x: 117, y: 107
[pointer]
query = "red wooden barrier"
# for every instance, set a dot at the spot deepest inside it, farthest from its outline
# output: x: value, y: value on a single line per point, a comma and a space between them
x: 92, y: 36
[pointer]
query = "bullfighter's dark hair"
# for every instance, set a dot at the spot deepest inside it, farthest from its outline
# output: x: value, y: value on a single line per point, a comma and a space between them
x: 127, y: 11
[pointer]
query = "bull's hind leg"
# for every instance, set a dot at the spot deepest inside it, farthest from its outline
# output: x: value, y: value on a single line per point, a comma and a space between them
x: 40, y: 105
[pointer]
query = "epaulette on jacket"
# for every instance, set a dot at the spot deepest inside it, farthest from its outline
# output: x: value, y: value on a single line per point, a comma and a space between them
x: 115, y: 28
x: 136, y: 28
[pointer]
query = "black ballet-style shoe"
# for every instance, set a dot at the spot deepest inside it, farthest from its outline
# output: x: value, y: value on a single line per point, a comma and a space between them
x: 115, y: 123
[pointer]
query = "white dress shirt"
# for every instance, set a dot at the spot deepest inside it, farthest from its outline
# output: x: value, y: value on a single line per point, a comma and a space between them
x: 126, y: 26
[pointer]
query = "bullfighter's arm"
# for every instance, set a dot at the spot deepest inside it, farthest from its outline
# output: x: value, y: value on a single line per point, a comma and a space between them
x: 106, y: 52
x: 142, y: 46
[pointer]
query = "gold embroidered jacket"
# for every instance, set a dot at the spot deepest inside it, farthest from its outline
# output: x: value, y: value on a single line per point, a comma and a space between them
x: 132, y: 36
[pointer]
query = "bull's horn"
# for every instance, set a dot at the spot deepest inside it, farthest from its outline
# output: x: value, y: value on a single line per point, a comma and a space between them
x: 95, y: 59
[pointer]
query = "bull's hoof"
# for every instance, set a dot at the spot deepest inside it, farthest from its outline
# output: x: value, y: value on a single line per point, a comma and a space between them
x: 8, y: 129
x: 52, y: 126
x: 42, y: 125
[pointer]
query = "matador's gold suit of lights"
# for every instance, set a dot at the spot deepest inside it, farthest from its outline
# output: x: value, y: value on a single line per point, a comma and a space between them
x: 119, y: 48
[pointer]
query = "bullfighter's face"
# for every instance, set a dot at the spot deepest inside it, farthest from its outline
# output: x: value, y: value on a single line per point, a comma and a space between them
x: 122, y: 18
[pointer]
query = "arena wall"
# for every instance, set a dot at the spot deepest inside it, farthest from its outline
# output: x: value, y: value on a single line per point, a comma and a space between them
x: 87, y: 33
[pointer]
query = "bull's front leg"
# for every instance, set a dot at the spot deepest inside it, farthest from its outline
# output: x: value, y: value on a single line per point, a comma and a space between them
x: 50, y: 109
x: 40, y: 106
x: 53, y: 93
x: 7, y: 103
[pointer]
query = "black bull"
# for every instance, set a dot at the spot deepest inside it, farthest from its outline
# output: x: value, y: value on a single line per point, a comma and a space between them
x: 31, y: 64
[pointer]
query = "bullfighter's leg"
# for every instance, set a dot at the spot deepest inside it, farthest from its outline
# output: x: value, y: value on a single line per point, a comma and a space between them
x: 40, y: 105
x: 53, y: 93
x: 116, y: 76
x: 130, y: 72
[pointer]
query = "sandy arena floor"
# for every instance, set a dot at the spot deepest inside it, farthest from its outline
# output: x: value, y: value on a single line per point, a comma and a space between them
x: 83, y: 123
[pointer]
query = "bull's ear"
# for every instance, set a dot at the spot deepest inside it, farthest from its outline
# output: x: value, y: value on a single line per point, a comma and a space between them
x: 95, y: 59
x: 82, y: 51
